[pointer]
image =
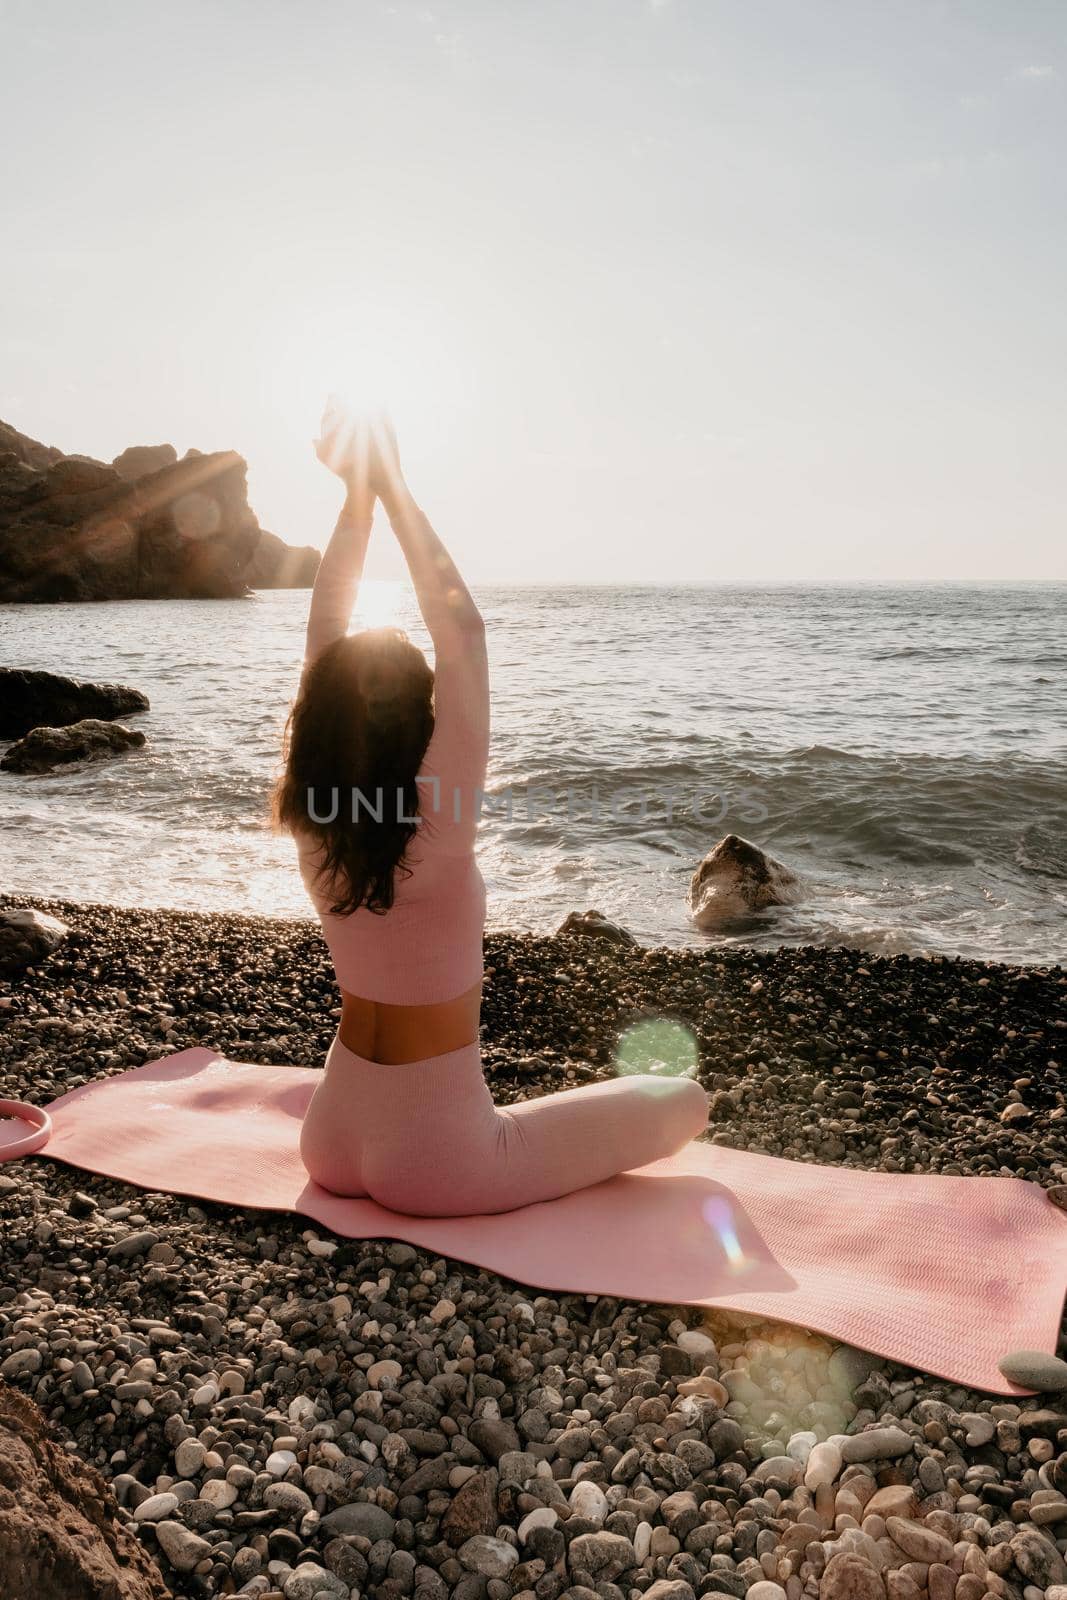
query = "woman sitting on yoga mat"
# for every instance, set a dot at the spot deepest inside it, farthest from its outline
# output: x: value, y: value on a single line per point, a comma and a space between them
x: 385, y: 766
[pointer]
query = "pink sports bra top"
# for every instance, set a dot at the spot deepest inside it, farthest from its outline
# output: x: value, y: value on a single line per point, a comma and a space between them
x: 428, y: 947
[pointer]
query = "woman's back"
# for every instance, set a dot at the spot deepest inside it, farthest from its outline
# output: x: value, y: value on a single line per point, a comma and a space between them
x: 425, y: 950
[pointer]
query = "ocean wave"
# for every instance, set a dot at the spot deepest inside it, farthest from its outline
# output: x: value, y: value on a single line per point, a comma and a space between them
x: 925, y: 652
x: 811, y: 720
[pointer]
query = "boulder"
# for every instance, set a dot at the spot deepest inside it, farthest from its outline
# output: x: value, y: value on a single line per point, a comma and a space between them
x: 146, y: 526
x: 42, y: 749
x: 61, y: 1531
x: 141, y: 459
x: 735, y: 879
x: 30, y: 699
x: 594, y: 925
x: 27, y: 937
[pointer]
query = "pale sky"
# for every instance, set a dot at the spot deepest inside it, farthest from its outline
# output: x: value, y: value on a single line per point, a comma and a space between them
x: 662, y: 289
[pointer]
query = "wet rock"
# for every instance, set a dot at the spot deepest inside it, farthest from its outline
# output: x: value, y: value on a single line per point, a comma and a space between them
x: 44, y: 749
x: 594, y: 925
x: 735, y: 879
x: 32, y: 699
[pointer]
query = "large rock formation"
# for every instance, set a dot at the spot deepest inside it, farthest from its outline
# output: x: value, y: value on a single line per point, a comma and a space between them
x: 31, y: 699
x: 61, y: 1533
x: 277, y: 565
x: 42, y: 749
x: 147, y: 526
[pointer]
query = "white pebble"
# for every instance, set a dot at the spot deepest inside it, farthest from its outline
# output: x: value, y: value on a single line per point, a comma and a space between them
x: 696, y: 1343
x: 189, y: 1458
x: 539, y: 1517
x: 279, y: 1462
x: 589, y: 1500
x: 218, y: 1493
x: 800, y: 1446
x: 155, y: 1508
x: 823, y: 1465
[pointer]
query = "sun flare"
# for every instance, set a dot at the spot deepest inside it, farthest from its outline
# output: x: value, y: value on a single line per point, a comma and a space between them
x: 380, y: 603
x: 374, y: 358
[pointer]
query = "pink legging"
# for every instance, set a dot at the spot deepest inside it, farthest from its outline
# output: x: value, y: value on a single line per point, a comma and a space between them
x: 425, y: 1138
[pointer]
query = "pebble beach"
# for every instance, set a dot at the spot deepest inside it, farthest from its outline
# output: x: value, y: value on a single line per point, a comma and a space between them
x: 283, y: 1414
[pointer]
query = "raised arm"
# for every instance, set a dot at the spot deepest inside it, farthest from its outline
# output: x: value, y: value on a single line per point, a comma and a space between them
x: 459, y: 750
x: 447, y: 606
x: 333, y: 598
x: 343, y: 448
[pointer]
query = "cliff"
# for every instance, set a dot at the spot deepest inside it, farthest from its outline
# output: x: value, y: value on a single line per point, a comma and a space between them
x: 146, y: 526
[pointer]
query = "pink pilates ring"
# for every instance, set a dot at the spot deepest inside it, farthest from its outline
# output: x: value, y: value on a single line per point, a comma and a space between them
x: 26, y: 1143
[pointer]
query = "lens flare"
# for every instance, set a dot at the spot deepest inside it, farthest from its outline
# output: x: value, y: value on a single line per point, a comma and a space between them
x: 718, y: 1214
x: 657, y: 1048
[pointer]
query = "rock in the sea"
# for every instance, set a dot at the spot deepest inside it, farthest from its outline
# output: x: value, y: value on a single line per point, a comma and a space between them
x: 595, y: 925
x: 735, y: 879
x: 148, y: 526
x: 61, y: 1533
x: 31, y: 699
x: 43, y: 749
x: 1035, y: 1369
x: 27, y: 937
x: 277, y: 565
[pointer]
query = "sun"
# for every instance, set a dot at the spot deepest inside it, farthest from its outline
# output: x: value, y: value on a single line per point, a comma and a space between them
x: 374, y: 357
x: 380, y: 603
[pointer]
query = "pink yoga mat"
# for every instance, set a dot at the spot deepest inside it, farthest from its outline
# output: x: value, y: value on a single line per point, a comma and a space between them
x: 944, y: 1274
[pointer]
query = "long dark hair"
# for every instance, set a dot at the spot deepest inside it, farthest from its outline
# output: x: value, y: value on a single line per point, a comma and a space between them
x: 354, y: 741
